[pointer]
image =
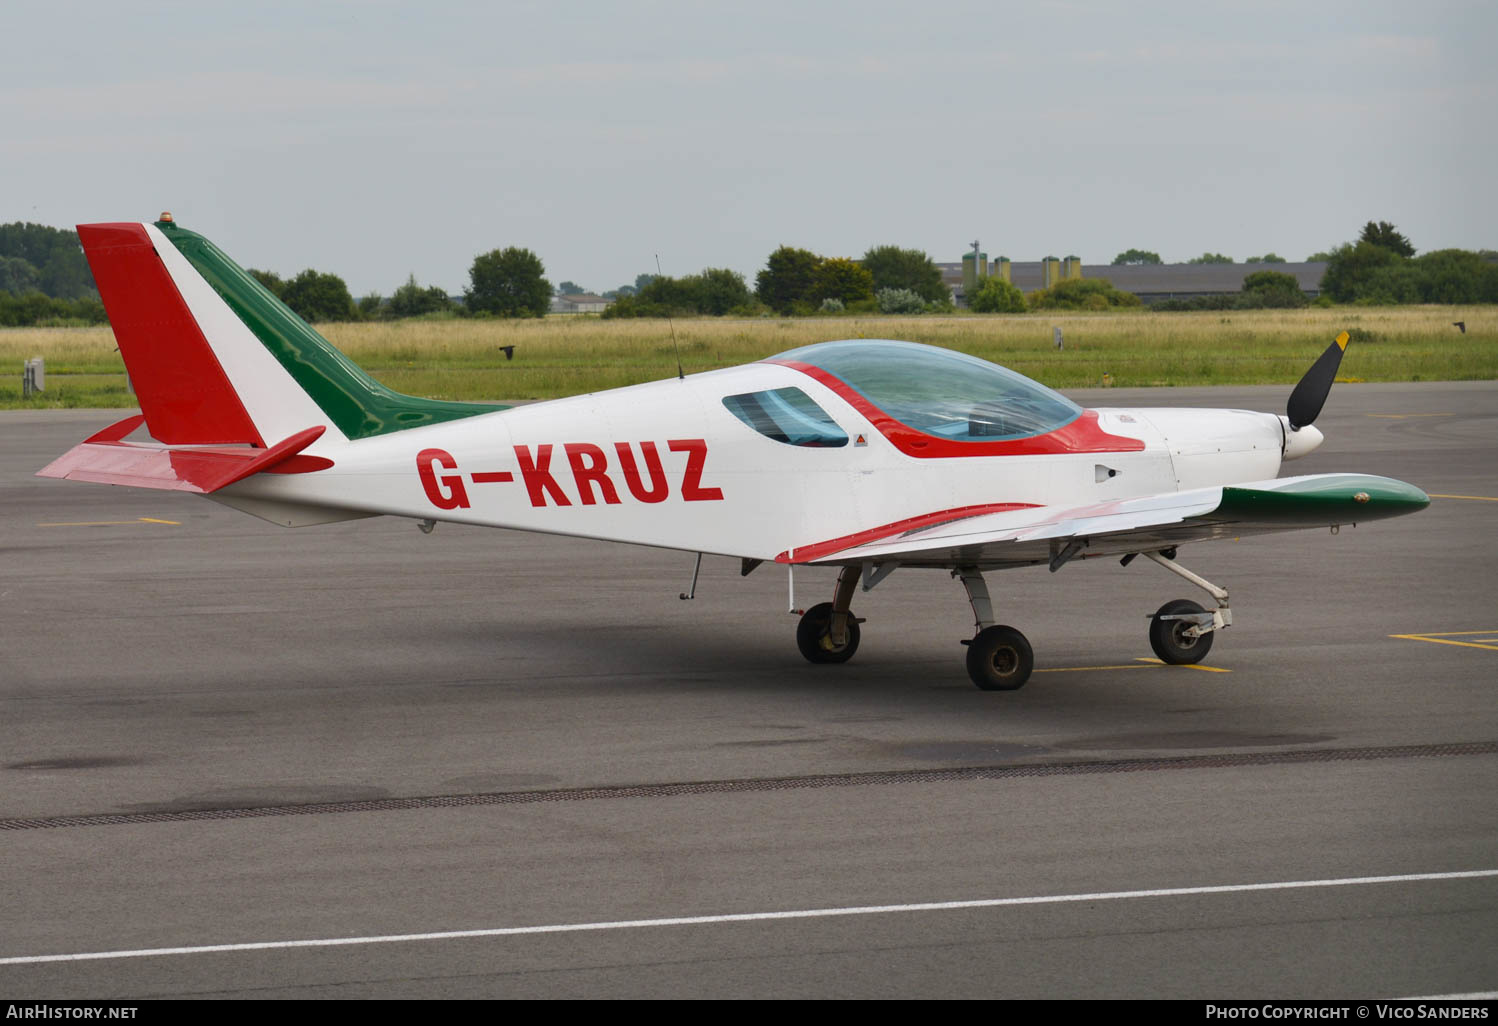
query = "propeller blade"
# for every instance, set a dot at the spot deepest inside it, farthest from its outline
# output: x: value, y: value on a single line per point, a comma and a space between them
x: 1311, y: 391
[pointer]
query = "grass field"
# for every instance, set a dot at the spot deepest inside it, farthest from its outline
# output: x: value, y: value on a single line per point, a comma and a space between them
x: 458, y: 359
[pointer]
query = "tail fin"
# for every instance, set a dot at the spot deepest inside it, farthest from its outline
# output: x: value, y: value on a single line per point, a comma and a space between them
x: 215, y: 358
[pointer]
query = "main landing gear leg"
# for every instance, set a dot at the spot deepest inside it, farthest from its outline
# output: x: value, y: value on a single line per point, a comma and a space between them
x: 1181, y: 631
x: 828, y: 632
x: 999, y: 657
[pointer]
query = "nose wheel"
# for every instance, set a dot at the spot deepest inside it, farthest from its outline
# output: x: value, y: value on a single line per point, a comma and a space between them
x: 1176, y: 632
x: 1181, y: 631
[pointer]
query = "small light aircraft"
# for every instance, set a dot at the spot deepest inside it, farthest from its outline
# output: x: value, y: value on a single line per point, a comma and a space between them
x: 865, y: 455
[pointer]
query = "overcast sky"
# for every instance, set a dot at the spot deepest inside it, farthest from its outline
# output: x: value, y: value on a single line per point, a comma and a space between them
x: 379, y: 139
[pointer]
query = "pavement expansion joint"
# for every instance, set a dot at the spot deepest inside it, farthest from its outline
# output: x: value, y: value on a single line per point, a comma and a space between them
x: 762, y: 784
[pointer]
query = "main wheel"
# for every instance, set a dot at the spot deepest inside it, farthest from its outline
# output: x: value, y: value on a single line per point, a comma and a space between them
x: 1169, y: 638
x: 999, y: 659
x: 814, y: 636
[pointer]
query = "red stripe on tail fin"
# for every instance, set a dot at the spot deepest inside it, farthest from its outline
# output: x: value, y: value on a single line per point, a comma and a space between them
x: 185, y: 395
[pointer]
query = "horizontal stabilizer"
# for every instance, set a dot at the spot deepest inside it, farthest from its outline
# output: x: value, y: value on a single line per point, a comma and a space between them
x: 106, y: 458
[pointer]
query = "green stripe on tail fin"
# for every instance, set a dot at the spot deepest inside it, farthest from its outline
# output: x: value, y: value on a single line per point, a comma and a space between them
x: 359, y: 405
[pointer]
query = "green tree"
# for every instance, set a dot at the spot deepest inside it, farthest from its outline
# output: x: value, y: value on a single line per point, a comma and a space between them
x: 1211, y: 258
x: 1267, y: 258
x: 896, y: 268
x: 662, y: 297
x: 1384, y: 234
x: 18, y: 276
x: 61, y: 270
x: 1319, y: 257
x: 570, y: 288
x: 1082, y: 294
x: 840, y: 278
x: 36, y: 309
x: 713, y: 292
x: 1456, y: 276
x: 1270, y: 280
x: 788, y: 278
x: 1356, y: 268
x: 718, y: 290
x: 1270, y: 289
x: 1133, y: 257
x: 996, y: 295
x: 317, y: 296
x: 411, y: 300
x: 509, y: 283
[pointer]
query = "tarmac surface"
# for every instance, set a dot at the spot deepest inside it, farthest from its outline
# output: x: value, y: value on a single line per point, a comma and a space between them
x: 222, y: 734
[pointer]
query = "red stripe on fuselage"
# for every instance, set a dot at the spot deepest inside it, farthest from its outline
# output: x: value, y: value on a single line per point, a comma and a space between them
x: 183, y: 391
x: 1081, y: 435
x: 808, y: 553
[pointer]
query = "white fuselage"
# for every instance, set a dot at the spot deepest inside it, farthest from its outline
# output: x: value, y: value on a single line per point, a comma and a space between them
x: 666, y: 464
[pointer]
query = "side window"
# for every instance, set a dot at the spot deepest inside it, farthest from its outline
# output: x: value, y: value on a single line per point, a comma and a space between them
x: 787, y: 415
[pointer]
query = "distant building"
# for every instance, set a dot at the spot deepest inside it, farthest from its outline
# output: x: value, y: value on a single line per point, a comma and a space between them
x: 581, y: 302
x: 1154, y: 282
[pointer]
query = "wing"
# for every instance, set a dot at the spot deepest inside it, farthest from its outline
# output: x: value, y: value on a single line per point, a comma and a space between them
x: 1041, y: 534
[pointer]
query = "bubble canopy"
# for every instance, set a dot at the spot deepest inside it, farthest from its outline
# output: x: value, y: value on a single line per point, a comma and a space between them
x: 939, y: 392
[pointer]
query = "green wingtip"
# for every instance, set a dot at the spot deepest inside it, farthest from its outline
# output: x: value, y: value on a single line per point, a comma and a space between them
x: 1334, y: 498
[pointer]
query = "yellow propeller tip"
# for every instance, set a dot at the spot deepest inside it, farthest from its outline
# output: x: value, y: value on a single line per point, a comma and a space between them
x: 1342, y: 340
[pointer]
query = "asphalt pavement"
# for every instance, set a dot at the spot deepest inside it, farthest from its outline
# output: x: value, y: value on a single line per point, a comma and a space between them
x: 218, y: 733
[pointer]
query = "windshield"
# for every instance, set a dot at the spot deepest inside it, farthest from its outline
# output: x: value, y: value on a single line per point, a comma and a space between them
x: 940, y: 392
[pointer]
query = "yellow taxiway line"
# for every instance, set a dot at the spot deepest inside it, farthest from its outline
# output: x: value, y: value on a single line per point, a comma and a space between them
x: 1444, y: 638
x: 1185, y: 666
x: 1475, y: 498
x: 114, y: 523
x: 1142, y: 663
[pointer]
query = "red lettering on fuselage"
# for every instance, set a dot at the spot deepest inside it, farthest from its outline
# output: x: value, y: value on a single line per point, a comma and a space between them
x: 590, y: 474
x: 455, y: 495
x: 691, y: 484
x: 593, y: 471
x: 538, y: 480
x: 659, y: 486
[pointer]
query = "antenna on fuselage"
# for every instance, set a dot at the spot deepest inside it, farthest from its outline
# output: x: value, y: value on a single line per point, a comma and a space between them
x: 671, y: 324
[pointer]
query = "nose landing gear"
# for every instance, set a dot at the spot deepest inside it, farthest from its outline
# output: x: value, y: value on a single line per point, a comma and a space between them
x: 1181, y: 631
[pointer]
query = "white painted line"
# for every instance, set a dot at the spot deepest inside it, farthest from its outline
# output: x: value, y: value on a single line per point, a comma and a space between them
x: 1481, y: 995
x: 749, y: 917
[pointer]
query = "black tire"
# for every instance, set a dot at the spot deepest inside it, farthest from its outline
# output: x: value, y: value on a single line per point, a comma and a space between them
x: 1000, y: 659
x: 814, y: 636
x: 1169, y: 639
